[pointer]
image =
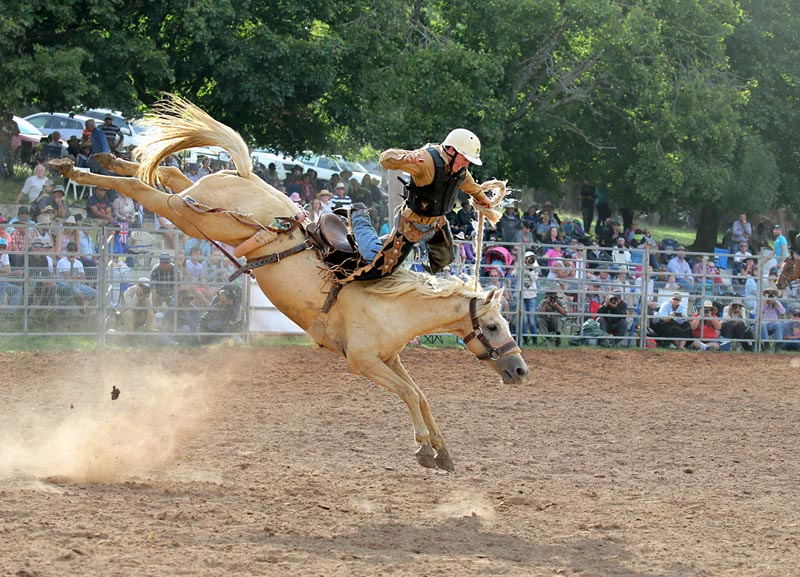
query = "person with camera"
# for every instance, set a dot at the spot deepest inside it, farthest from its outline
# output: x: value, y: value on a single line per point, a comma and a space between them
x: 551, y: 312
x: 612, y: 315
x: 706, y: 327
x: 771, y: 311
x: 530, y: 276
x: 735, y: 325
x: 671, y: 323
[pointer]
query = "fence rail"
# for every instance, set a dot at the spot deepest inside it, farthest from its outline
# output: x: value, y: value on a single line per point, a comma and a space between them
x: 551, y: 297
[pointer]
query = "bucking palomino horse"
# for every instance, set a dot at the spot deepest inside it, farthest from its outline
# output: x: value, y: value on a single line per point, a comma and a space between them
x: 370, y: 322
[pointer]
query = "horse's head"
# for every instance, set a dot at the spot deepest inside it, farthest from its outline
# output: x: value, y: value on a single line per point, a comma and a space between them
x: 790, y: 271
x: 491, y: 340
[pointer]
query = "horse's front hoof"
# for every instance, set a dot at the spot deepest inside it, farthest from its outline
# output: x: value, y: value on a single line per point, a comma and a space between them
x: 425, y: 457
x: 443, y: 460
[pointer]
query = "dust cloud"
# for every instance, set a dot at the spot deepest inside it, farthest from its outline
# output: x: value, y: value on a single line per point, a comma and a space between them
x: 77, y: 433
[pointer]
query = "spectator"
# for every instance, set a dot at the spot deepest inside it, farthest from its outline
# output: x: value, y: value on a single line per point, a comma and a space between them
x: 771, y: 311
x: 272, y: 177
x: 739, y: 256
x: 162, y: 278
x: 597, y: 257
x: 223, y: 313
x: 679, y: 267
x: 192, y: 172
x: 612, y: 315
x: 70, y: 272
x: 530, y: 276
x: 601, y: 204
x: 59, y: 203
x: 33, y: 185
x: 325, y: 197
x: 123, y: 210
x: 294, y: 181
x: 780, y: 246
x: 20, y: 237
x: 545, y: 219
x: 550, y: 317
x: 97, y: 141
x: 671, y: 323
x: 509, y: 224
x: 10, y: 291
x: 205, y: 167
x: 791, y: 331
x: 113, y: 134
x: 73, y: 147
x: 44, y: 200
x: 8, y: 131
x: 99, y: 206
x: 51, y: 147
x: 620, y: 253
x: 735, y: 325
x: 309, y: 189
x: 552, y: 236
x: 741, y: 231
x: 705, y: 328
x: 465, y: 217
x: 314, y: 210
x: 342, y: 199
x: 587, y: 197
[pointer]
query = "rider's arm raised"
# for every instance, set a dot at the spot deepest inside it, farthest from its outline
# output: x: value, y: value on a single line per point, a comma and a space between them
x: 418, y: 163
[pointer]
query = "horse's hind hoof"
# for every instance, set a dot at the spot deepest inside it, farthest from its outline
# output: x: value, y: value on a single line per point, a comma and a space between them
x: 443, y: 461
x: 61, y: 165
x: 104, y: 159
x: 425, y: 457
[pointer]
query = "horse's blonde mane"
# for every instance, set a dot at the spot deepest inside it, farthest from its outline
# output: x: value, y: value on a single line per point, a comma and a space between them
x: 177, y: 124
x: 403, y: 281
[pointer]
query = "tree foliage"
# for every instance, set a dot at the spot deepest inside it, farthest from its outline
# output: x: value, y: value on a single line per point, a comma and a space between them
x: 670, y: 102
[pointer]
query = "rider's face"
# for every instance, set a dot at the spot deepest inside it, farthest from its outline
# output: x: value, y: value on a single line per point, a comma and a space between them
x: 459, y: 161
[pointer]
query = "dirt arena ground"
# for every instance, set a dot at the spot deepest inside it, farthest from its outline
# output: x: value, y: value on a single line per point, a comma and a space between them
x: 245, y: 461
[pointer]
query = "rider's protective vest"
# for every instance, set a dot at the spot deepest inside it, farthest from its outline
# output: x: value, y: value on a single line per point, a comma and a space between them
x: 438, y: 197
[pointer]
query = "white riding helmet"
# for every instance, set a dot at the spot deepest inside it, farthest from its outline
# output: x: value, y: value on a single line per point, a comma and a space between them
x: 466, y: 143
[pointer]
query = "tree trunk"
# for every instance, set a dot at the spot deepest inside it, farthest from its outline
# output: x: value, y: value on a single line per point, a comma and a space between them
x: 707, y: 227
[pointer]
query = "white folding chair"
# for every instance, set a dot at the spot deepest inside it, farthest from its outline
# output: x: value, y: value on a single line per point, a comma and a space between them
x: 74, y: 186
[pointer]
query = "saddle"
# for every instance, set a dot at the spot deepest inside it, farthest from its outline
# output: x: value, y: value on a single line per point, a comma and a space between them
x: 335, y: 245
x: 330, y: 233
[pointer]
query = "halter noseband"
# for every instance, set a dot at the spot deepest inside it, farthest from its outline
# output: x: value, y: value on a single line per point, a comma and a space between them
x: 492, y: 353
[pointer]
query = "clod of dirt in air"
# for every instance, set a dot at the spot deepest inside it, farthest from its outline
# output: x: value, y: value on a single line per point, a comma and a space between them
x: 114, y: 393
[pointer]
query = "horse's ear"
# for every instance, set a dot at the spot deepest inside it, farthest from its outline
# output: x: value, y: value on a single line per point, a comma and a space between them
x: 488, y: 297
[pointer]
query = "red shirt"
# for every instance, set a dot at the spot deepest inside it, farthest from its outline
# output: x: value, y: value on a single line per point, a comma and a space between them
x: 705, y: 331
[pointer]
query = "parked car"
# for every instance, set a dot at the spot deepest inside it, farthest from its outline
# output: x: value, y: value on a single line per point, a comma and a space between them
x: 283, y: 164
x: 27, y: 133
x: 65, y: 124
x: 328, y: 165
x: 131, y: 132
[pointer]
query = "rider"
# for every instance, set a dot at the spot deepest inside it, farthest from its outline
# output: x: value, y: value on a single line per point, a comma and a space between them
x: 437, y: 172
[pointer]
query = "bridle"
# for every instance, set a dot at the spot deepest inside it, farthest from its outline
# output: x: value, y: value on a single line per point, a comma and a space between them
x: 492, y: 353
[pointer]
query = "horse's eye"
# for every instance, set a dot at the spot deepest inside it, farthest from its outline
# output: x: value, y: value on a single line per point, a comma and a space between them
x: 492, y: 328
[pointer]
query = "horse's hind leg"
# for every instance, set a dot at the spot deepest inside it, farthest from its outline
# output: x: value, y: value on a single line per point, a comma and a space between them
x: 443, y: 460
x: 152, y: 199
x: 169, y: 176
x: 378, y: 372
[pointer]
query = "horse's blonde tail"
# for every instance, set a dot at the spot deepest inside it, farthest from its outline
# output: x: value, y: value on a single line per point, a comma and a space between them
x: 176, y: 124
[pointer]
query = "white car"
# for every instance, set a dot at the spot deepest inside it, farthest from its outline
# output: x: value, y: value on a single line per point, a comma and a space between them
x: 326, y: 166
x: 283, y: 164
x: 65, y: 124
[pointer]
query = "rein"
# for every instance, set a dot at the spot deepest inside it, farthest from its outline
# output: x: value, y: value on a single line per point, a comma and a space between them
x: 285, y: 225
x: 492, y: 353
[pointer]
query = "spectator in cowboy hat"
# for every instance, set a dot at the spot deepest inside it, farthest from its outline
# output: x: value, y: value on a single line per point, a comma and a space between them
x: 325, y: 197
x: 706, y: 327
